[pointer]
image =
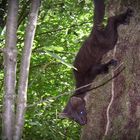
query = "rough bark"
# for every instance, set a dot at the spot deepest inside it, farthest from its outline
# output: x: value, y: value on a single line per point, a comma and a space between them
x: 114, y: 110
x: 10, y: 55
x: 24, y: 69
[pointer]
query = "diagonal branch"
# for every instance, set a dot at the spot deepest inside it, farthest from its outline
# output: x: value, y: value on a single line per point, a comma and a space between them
x: 72, y: 91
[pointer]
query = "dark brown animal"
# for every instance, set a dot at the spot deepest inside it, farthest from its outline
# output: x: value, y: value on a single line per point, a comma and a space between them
x: 88, y: 60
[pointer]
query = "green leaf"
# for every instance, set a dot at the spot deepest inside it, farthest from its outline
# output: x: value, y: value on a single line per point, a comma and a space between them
x: 60, y: 59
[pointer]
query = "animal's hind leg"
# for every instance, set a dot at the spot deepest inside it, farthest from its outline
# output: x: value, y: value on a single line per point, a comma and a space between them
x: 123, y: 18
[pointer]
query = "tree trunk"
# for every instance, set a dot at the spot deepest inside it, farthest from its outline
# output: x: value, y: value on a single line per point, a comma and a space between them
x: 24, y: 69
x: 10, y: 55
x: 114, y: 110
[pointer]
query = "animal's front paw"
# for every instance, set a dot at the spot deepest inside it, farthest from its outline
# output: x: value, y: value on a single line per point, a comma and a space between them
x: 113, y: 62
x: 129, y: 13
x: 105, y: 69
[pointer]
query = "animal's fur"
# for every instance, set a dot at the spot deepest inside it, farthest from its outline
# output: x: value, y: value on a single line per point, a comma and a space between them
x: 88, y: 60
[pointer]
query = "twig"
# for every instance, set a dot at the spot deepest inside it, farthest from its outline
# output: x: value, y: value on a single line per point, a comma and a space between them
x: 72, y: 91
x: 110, y: 79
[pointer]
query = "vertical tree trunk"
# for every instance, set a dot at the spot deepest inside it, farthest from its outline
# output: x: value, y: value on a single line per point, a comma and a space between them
x: 114, y: 110
x: 24, y: 69
x: 10, y: 55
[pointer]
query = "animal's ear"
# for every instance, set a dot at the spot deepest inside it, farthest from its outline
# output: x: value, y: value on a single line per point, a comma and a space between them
x: 63, y: 115
x: 75, y: 101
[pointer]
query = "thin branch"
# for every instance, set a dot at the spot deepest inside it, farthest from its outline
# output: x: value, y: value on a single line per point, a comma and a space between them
x: 72, y: 91
x: 44, y: 65
x: 24, y: 12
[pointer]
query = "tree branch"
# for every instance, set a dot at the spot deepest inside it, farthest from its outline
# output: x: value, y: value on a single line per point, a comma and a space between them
x: 24, y: 69
x: 24, y: 12
x: 72, y: 91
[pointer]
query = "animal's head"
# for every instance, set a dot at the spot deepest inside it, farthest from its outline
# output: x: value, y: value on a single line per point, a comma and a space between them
x: 75, y: 110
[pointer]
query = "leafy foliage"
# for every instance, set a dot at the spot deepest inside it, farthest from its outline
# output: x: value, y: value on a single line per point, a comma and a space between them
x: 62, y: 27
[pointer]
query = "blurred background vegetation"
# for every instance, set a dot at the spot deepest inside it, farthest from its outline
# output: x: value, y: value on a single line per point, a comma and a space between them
x: 62, y: 27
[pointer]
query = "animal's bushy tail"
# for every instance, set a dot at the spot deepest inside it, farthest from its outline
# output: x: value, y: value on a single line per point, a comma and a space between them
x: 99, y: 12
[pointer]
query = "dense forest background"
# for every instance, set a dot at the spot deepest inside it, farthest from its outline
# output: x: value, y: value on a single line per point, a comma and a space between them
x: 62, y: 26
